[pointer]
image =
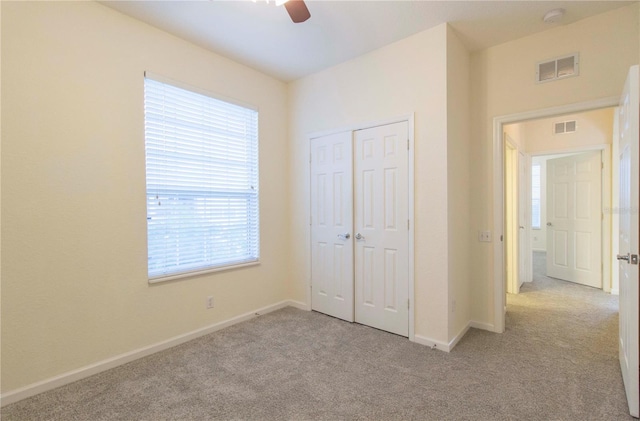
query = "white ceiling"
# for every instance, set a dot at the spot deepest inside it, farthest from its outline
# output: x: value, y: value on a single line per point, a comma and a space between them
x: 262, y: 36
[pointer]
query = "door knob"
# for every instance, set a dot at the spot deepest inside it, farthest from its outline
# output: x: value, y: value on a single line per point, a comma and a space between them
x: 344, y: 236
x: 521, y: 227
x: 549, y: 224
x: 623, y: 257
x: 629, y: 258
x: 359, y: 236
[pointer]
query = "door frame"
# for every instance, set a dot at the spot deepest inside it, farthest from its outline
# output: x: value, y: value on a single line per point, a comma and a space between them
x: 511, y: 202
x: 499, y: 293
x: 409, y: 118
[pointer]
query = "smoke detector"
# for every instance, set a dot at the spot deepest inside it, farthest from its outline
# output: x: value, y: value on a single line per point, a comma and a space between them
x: 553, y: 16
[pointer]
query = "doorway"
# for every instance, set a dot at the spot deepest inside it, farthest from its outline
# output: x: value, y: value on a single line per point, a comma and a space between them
x: 500, y: 127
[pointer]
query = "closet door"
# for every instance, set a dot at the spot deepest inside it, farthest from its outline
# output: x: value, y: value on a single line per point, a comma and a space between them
x: 381, y: 228
x: 331, y: 225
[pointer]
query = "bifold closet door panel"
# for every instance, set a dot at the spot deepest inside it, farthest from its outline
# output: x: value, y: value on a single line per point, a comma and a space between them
x: 331, y: 225
x: 381, y: 227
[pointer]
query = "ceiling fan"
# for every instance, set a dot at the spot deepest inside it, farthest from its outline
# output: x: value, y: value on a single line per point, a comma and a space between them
x: 297, y: 10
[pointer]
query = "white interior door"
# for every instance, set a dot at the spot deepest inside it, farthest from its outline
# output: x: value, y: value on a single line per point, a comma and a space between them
x: 574, y: 234
x: 331, y: 225
x: 628, y: 239
x: 381, y: 227
x: 523, y: 224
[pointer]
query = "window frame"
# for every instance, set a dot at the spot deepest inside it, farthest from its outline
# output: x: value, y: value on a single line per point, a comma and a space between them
x: 211, y: 268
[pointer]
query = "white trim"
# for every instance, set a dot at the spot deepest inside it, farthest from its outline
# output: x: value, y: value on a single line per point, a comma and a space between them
x: 363, y: 126
x: 498, y: 188
x: 572, y: 150
x: 482, y: 326
x: 409, y: 118
x: 453, y: 342
x: 422, y: 340
x: 298, y: 304
x: 431, y: 343
x: 190, y: 274
x: 412, y: 225
x: 100, y: 366
x: 606, y: 226
x: 615, y: 292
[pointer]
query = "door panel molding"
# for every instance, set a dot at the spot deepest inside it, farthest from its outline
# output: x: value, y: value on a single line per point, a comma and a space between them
x: 380, y: 215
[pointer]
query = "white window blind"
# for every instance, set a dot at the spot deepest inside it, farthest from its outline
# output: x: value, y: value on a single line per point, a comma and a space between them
x: 202, y: 181
x: 535, y: 196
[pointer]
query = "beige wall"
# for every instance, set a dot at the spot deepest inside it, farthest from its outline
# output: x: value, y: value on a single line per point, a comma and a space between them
x: 406, y: 77
x: 74, y: 286
x: 503, y: 84
x: 458, y: 158
x: 593, y: 128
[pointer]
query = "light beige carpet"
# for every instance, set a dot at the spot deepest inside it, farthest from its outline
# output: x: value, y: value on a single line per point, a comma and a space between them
x: 556, y: 361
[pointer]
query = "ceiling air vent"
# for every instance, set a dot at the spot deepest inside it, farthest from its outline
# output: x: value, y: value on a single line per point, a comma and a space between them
x: 565, y: 127
x: 558, y: 68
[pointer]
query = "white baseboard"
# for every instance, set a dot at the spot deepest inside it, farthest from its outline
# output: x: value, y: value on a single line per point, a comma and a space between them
x: 615, y: 292
x: 481, y: 325
x: 299, y: 305
x: 453, y: 342
x: 89, y: 370
x: 447, y: 347
x: 431, y: 343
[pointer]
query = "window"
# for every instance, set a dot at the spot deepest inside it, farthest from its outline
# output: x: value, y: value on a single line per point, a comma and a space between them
x: 202, y: 181
x: 535, y: 196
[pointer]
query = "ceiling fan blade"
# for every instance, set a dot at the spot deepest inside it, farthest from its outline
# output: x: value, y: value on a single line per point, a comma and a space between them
x: 297, y: 10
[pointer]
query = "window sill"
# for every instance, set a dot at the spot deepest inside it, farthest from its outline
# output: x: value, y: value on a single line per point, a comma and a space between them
x: 177, y: 276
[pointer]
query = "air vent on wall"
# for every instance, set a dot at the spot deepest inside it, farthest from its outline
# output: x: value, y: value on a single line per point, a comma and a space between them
x: 565, y: 127
x: 558, y: 68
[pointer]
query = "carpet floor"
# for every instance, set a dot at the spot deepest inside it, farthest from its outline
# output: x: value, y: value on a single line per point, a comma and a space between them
x: 557, y: 360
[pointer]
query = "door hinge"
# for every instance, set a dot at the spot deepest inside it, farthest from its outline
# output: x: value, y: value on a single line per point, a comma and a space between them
x: 407, y: 144
x: 408, y: 304
x: 602, y: 165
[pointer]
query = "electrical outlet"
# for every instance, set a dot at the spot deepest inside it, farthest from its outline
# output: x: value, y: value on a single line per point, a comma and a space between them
x: 484, y: 236
x: 210, y: 302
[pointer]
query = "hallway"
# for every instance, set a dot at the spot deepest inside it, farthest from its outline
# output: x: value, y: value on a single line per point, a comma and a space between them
x: 572, y: 329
